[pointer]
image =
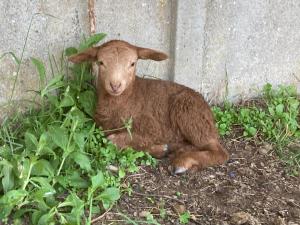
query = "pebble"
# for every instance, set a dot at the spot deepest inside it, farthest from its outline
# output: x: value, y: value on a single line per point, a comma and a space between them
x: 295, y: 213
x: 263, y: 151
x: 179, y: 208
x: 240, y: 218
x: 279, y: 221
x: 232, y: 174
x: 143, y: 214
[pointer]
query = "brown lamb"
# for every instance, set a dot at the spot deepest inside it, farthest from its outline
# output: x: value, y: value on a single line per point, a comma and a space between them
x: 167, y: 117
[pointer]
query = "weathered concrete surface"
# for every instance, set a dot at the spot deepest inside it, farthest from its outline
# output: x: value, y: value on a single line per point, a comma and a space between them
x: 214, y: 45
x: 47, y: 35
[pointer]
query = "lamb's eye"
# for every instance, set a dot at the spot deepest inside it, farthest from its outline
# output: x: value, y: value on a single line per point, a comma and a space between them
x: 132, y: 64
x: 100, y: 63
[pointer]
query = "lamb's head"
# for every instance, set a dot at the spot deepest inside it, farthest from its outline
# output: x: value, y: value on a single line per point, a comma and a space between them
x: 117, y: 63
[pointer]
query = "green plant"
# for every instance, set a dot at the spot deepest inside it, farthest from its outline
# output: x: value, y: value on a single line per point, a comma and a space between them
x: 225, y: 117
x: 54, y: 160
x: 184, y: 217
x: 276, y: 120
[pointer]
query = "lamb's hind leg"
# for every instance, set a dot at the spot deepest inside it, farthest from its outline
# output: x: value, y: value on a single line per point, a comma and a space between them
x: 192, y: 117
x: 191, y: 156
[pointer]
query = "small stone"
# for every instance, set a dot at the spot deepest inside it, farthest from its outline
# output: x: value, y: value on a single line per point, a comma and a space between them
x: 224, y: 223
x: 143, y: 214
x: 279, y: 221
x: 292, y: 223
x: 240, y: 218
x: 230, y: 161
x: 232, y: 174
x: 112, y: 168
x: 179, y: 208
x: 193, y: 217
x: 248, y: 148
x: 268, y: 146
x: 295, y: 213
x: 263, y: 151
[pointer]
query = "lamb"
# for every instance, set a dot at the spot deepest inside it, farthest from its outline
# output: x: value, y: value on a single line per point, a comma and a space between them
x: 167, y: 117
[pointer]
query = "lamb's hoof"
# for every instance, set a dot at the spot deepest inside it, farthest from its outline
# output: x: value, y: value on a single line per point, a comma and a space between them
x: 179, y: 170
x: 166, y: 148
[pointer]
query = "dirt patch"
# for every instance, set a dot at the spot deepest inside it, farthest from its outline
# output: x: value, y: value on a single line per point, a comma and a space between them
x: 252, y: 188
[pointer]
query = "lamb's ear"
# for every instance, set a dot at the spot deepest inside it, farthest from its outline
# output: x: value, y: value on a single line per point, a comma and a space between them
x: 89, y: 54
x: 147, y: 53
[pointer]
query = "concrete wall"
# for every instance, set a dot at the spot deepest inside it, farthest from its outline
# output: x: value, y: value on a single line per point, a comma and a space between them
x: 211, y: 43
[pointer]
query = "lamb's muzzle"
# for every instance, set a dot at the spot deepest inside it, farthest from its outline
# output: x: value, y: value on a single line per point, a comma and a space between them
x: 164, y: 113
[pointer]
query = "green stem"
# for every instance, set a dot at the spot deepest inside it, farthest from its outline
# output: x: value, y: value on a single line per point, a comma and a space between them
x: 61, y: 165
x: 21, y: 58
x: 90, y: 210
x: 28, y: 177
x: 116, y: 129
x: 68, y: 146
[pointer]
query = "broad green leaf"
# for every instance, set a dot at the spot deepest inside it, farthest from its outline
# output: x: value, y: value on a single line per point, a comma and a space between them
x: 9, y: 200
x: 122, y: 173
x: 279, y: 109
x: 31, y: 142
x: 25, y: 167
x: 8, y: 179
x: 75, y: 180
x: 98, y: 180
x: 59, y: 136
x: 41, y: 69
x: 82, y: 160
x: 79, y: 116
x: 43, y: 182
x: 92, y: 40
x: 47, y: 218
x: 79, y: 138
x: 55, y: 83
x: 43, y: 141
x: 42, y: 167
x: 109, y: 196
x: 70, y: 51
x: 294, y: 103
x: 77, y: 208
x: 35, y: 216
x: 40, y: 195
x: 67, y: 101
x: 87, y: 101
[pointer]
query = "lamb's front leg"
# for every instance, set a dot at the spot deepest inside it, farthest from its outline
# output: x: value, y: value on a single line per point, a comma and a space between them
x: 139, y: 143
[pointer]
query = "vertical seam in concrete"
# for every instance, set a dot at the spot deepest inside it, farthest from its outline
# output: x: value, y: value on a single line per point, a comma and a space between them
x: 173, y: 39
x: 204, y: 52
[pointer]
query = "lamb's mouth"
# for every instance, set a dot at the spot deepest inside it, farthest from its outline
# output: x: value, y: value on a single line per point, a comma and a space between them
x: 115, y: 93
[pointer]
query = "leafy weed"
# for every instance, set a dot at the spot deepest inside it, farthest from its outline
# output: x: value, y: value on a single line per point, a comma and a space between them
x: 275, y: 121
x: 54, y: 160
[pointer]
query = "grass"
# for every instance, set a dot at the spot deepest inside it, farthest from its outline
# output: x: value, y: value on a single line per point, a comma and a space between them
x: 56, y: 165
x: 273, y: 118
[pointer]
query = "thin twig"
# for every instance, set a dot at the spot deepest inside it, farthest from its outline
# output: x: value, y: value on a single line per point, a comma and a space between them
x: 159, y: 196
x: 101, y: 216
x: 92, y: 17
x: 92, y: 21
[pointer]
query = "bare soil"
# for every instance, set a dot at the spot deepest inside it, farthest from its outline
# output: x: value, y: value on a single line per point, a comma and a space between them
x: 252, y: 188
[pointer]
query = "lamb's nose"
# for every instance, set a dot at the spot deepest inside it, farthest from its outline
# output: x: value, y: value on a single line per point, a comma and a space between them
x: 115, y: 86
